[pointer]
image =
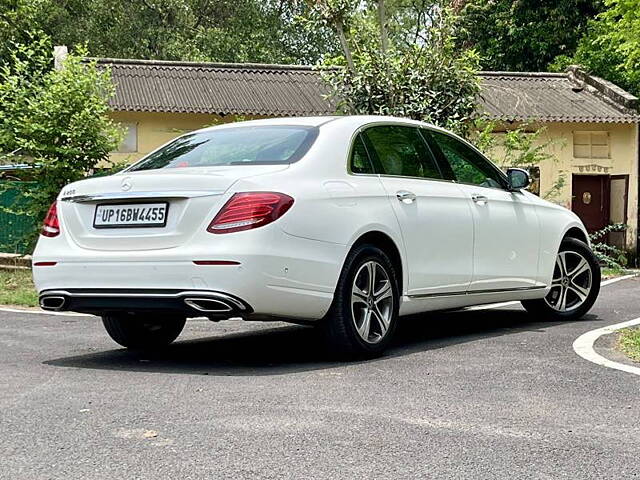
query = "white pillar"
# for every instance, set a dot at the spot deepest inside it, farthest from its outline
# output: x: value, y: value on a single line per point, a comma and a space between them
x: 60, y: 53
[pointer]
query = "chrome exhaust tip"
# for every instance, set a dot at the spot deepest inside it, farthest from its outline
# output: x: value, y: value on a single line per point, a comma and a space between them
x: 209, y: 305
x: 53, y: 303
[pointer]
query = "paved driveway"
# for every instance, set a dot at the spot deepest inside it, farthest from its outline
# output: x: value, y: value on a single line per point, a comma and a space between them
x: 484, y: 394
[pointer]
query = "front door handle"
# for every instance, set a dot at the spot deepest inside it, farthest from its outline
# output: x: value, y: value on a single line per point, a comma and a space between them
x: 481, y: 199
x: 406, y: 197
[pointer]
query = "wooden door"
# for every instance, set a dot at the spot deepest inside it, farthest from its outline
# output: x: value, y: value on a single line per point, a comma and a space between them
x: 618, y: 208
x: 590, y: 200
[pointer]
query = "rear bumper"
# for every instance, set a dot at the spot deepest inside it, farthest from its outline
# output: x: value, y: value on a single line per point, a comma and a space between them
x: 190, y: 303
x: 274, y: 274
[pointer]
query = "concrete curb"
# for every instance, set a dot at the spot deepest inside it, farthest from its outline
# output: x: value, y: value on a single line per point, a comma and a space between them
x: 583, y: 346
x: 11, y: 261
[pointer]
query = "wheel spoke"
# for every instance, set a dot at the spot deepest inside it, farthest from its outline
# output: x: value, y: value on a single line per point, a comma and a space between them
x: 383, y: 292
x: 365, y: 326
x: 581, y: 292
x: 358, y: 293
x: 371, y: 269
x: 582, y: 267
x: 358, y: 300
x: 382, y: 321
x: 561, y: 261
x: 562, y: 301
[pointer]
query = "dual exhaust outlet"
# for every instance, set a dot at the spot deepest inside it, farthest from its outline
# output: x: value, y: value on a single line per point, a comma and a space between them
x: 207, y: 303
x: 53, y: 303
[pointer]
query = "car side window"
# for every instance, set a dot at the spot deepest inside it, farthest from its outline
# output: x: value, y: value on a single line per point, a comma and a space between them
x: 401, y: 151
x: 360, y: 162
x: 467, y: 166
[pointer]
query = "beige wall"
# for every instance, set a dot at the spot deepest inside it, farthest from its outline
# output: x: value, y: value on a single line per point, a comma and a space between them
x: 155, y: 129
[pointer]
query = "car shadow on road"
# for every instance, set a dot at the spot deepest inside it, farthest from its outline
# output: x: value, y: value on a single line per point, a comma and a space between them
x: 290, y: 349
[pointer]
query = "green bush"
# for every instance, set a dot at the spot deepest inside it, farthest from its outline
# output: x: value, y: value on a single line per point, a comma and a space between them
x: 54, y: 119
x: 608, y: 255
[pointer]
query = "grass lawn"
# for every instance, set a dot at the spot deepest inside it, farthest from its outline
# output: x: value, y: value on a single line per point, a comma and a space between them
x: 16, y: 288
x: 629, y: 343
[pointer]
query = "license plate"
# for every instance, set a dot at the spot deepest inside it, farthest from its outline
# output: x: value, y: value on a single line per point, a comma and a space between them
x: 132, y: 215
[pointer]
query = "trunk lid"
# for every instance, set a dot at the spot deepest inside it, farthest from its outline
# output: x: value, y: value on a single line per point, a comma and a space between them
x: 193, y: 196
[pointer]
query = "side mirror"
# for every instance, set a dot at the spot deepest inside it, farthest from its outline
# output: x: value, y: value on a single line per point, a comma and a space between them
x: 518, y: 178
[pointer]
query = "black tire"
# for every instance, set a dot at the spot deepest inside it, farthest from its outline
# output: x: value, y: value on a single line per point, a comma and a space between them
x: 542, y: 309
x: 339, y: 326
x: 143, y: 332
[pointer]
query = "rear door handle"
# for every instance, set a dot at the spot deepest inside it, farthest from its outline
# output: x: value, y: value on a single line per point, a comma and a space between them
x: 406, y: 197
x: 479, y: 198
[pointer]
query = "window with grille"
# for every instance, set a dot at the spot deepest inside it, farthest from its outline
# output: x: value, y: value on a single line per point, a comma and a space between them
x: 130, y: 141
x: 591, y: 145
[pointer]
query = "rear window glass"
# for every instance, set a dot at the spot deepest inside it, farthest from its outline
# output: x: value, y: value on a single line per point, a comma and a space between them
x: 261, y: 145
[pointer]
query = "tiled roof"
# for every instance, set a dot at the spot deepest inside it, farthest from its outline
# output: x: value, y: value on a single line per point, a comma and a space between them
x: 237, y: 89
x: 554, y: 97
x: 288, y: 90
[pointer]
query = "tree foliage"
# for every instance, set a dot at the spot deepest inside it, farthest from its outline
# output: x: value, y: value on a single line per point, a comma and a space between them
x: 56, y: 120
x: 395, y: 63
x: 611, y: 47
x: 17, y: 18
x: 200, y: 30
x: 524, y: 35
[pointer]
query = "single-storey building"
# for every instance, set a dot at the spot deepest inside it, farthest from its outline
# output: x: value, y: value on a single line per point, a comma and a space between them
x: 592, y: 123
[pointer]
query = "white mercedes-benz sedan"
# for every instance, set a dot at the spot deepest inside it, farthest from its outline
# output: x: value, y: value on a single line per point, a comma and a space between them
x: 343, y: 222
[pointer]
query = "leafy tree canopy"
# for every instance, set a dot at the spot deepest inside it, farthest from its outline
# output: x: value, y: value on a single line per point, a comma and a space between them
x: 17, y: 18
x: 523, y: 35
x: 611, y: 48
x: 399, y: 59
x: 200, y: 30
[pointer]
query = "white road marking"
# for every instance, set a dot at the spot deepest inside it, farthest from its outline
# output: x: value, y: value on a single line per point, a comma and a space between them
x: 44, y: 312
x: 583, y: 346
x: 617, y: 279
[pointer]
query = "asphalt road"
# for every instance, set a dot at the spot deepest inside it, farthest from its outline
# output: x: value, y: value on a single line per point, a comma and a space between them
x: 484, y: 394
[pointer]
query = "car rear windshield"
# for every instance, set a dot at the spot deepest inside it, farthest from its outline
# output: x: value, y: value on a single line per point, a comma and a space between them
x: 262, y: 145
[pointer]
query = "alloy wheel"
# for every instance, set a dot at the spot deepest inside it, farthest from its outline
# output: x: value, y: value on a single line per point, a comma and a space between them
x: 372, y: 302
x: 571, y: 283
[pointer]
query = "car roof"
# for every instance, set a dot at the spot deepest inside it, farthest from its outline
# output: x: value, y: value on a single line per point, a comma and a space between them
x: 354, y: 121
x: 362, y: 120
x: 302, y: 121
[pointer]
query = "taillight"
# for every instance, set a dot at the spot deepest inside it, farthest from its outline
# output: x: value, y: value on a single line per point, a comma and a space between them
x: 248, y: 210
x: 51, y: 225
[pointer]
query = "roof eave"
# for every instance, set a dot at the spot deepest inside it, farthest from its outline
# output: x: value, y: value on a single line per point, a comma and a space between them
x: 231, y: 111
x: 551, y: 119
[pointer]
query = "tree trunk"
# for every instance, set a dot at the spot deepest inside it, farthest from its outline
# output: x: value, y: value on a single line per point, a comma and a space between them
x: 345, y: 45
x: 458, y: 5
x: 382, y: 19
